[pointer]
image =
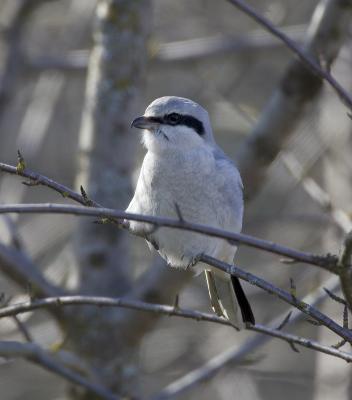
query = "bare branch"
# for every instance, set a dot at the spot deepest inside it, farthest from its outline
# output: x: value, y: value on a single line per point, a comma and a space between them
x: 285, y: 321
x: 338, y: 299
x: 20, y: 268
x: 211, y: 367
x: 326, y: 262
x: 317, y: 193
x: 195, y: 49
x: 305, y: 58
x: 167, y: 310
x: 297, y: 88
x: 293, y: 339
x: 235, y: 354
x: 183, y: 50
x: 23, y: 329
x: 60, y: 301
x: 34, y: 353
x: 282, y: 294
x: 158, y: 284
x: 12, y: 56
x: 38, y: 179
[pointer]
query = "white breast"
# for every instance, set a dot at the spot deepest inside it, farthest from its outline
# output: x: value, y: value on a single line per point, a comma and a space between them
x: 193, y: 182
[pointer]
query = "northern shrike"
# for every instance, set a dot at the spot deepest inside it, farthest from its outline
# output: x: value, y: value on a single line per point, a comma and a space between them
x: 185, y: 168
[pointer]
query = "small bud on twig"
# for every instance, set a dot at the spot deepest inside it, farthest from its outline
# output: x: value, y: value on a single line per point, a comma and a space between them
x: 21, y: 165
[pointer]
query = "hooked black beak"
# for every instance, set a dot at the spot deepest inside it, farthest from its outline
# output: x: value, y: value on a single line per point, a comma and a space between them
x: 144, y: 122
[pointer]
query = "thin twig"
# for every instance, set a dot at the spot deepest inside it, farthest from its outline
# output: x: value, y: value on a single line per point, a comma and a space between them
x: 280, y: 293
x: 209, y: 369
x: 285, y: 321
x: 303, y: 56
x: 334, y: 297
x: 23, y: 329
x: 293, y: 339
x: 235, y: 354
x: 16, y: 309
x: 59, y: 301
x: 24, y: 272
x: 43, y: 180
x: 298, y: 87
x: 316, y: 192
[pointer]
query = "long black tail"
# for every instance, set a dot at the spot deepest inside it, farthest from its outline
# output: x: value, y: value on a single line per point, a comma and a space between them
x: 246, y: 310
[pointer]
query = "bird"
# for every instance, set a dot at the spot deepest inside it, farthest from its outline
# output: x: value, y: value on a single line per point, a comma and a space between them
x: 185, y: 173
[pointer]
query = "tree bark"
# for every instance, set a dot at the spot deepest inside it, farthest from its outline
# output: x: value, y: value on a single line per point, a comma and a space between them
x: 106, y: 161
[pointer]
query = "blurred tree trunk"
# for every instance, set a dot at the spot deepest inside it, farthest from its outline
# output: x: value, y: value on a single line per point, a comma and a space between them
x: 106, y: 160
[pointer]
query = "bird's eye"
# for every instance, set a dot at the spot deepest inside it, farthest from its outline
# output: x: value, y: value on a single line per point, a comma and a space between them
x: 173, y: 118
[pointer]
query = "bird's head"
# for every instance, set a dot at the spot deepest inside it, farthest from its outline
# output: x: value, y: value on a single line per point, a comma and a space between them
x: 174, y: 123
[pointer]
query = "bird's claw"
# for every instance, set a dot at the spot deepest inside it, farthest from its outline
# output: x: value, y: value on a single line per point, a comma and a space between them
x: 195, y: 260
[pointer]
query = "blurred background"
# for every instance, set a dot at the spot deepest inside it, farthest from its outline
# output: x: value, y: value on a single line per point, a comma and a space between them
x: 210, y: 52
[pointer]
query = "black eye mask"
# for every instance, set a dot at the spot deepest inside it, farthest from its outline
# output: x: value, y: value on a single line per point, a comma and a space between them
x: 174, y: 119
x: 186, y: 120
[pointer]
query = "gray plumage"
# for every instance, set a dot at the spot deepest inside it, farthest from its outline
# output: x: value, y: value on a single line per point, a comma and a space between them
x: 184, y: 167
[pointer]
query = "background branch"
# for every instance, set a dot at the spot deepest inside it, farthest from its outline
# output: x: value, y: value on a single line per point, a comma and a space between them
x: 235, y: 355
x: 181, y: 50
x: 299, y: 86
x: 306, y: 56
x: 21, y: 270
x: 317, y: 193
x: 34, y: 353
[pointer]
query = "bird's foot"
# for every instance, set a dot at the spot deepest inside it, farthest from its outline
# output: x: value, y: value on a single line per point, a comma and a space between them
x: 195, y: 260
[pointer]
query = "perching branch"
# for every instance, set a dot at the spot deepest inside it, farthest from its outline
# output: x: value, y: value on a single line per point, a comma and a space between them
x: 209, y: 260
x: 305, y: 58
x: 16, y: 309
x: 34, y: 353
x: 327, y: 262
x: 282, y: 294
